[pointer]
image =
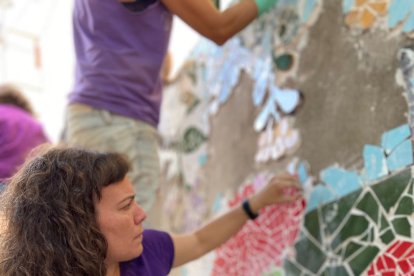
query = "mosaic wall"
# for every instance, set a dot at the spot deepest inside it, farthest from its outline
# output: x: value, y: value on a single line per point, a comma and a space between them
x: 275, y: 91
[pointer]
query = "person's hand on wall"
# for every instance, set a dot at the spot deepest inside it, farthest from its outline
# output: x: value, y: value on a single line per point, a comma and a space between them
x: 264, y: 6
x: 282, y: 188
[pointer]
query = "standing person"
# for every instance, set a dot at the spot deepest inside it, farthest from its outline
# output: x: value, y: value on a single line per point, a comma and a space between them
x: 120, y: 47
x: 20, y: 132
x: 72, y: 212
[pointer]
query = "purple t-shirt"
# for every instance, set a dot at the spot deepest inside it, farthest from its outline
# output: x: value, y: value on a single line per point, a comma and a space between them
x: 119, y: 54
x: 19, y: 134
x: 156, y: 258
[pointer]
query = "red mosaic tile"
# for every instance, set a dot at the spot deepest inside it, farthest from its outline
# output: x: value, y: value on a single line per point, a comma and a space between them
x: 260, y: 243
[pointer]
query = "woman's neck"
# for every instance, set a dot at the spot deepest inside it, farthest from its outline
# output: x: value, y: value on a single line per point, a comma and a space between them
x: 113, y: 269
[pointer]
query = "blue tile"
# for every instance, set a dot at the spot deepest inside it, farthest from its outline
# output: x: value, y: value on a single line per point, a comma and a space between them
x: 319, y: 196
x: 401, y: 157
x: 308, y: 9
x: 287, y: 99
x: 409, y: 24
x: 261, y: 75
x: 347, y: 5
x: 394, y: 137
x: 302, y: 171
x: 268, y: 112
x: 375, y: 164
x: 398, y: 11
x: 341, y: 181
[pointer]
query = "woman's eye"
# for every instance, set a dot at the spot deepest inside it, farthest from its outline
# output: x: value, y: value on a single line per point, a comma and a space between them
x: 126, y: 207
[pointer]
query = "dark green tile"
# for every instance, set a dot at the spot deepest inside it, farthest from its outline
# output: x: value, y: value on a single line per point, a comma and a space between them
x: 291, y: 269
x: 312, y: 224
x: 344, y: 205
x: 369, y: 237
x: 335, y: 271
x: 355, y: 226
x: 284, y: 62
x: 309, y: 255
x: 384, y: 223
x: 361, y: 261
x: 390, y: 190
x: 406, y: 206
x: 402, y: 226
x: 387, y: 237
x: 351, y: 248
x: 369, y: 205
x: 410, y: 190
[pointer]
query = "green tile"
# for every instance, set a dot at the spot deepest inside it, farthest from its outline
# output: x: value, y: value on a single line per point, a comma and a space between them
x: 309, y: 255
x: 402, y: 226
x: 283, y: 62
x: 344, y: 206
x: 312, y: 224
x: 384, y: 223
x: 390, y: 190
x: 387, y: 237
x: 406, y: 206
x: 369, y: 205
x: 410, y: 190
x: 351, y: 248
x: 355, y: 226
x: 291, y: 268
x: 335, y: 271
x: 361, y: 261
x: 369, y: 237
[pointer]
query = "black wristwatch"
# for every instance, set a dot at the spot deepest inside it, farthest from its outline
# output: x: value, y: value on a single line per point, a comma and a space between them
x: 246, y: 207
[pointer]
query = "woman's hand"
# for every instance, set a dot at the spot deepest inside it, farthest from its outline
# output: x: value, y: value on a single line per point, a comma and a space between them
x: 283, y: 188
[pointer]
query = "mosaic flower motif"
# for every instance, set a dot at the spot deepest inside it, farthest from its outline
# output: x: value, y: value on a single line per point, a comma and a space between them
x: 364, y: 13
x: 261, y: 244
x: 398, y: 259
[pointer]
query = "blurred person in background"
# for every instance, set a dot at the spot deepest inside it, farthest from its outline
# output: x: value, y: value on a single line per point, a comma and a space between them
x: 20, y: 132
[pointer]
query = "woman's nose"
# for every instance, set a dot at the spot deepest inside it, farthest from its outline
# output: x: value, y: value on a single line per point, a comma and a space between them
x: 139, y: 215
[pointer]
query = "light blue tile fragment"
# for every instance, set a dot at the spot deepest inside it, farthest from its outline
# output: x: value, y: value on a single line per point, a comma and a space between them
x: 347, y: 5
x: 401, y: 157
x: 202, y: 160
x: 261, y: 73
x: 319, y: 196
x: 287, y: 99
x: 394, y: 137
x: 398, y: 11
x: 375, y: 164
x: 302, y: 172
x: 268, y: 112
x: 409, y: 24
x: 307, y: 10
x: 217, y: 204
x: 341, y: 181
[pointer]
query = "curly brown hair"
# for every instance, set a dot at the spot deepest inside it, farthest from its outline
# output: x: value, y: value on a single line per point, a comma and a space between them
x: 10, y: 94
x: 49, y: 209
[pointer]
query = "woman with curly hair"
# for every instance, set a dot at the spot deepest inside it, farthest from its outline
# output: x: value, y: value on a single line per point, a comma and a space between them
x: 72, y: 212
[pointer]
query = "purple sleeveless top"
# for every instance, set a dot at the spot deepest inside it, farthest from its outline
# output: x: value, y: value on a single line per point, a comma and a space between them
x: 156, y: 259
x: 119, y: 55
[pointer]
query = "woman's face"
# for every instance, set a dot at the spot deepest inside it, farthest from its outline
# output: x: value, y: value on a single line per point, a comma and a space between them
x: 120, y: 220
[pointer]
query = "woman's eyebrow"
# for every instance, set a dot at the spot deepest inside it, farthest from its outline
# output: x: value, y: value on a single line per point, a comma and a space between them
x: 130, y: 198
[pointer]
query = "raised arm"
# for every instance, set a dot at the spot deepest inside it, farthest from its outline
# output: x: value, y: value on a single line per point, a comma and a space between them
x: 218, y: 26
x: 191, y: 246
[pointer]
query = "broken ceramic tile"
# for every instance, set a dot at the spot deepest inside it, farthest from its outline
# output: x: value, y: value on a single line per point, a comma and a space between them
x: 394, y: 137
x: 341, y: 181
x: 401, y: 156
x: 319, y: 196
x: 287, y: 99
x: 398, y: 11
x: 375, y: 164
